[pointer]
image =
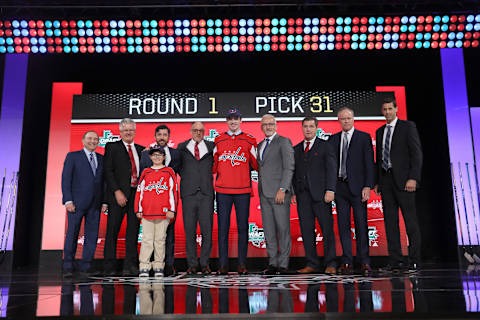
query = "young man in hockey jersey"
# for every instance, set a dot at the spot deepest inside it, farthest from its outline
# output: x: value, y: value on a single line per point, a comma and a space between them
x: 155, y: 203
x: 234, y: 157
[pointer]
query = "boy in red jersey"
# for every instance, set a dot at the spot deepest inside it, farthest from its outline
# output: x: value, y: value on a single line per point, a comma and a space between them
x: 234, y: 157
x: 155, y: 203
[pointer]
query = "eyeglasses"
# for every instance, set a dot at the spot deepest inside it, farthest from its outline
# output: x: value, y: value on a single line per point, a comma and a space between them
x: 198, y: 130
x: 158, y: 155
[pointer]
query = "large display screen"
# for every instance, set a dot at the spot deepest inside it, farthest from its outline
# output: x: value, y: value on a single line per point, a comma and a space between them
x: 103, y: 112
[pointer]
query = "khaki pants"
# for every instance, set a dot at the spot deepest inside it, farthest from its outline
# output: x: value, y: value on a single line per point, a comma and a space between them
x: 153, y: 240
x: 147, y: 305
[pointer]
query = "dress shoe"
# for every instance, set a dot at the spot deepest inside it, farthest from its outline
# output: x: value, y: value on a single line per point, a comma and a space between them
x: 271, y: 270
x: 307, y: 269
x: 192, y: 270
x: 88, y: 273
x: 345, y: 269
x: 67, y: 273
x: 109, y: 272
x: 242, y: 269
x: 392, y: 268
x: 330, y: 270
x: 413, y: 268
x: 284, y: 271
x: 170, y: 271
x: 222, y: 271
x: 366, y: 270
x: 131, y: 271
x: 206, y: 270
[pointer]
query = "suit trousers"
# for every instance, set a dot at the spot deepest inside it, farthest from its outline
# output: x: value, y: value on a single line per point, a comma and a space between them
x: 308, y: 210
x: 224, y: 210
x: 114, y: 222
x: 345, y: 201
x: 276, y: 228
x: 154, y: 233
x: 92, y: 219
x: 198, y: 209
x: 393, y: 199
x: 170, y: 244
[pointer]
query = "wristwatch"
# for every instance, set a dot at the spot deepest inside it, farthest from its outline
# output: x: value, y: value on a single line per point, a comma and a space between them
x: 282, y: 189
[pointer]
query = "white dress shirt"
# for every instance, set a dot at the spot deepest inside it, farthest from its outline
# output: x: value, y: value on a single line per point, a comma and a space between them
x: 349, y: 134
x: 202, y: 148
x: 260, y: 152
x: 94, y: 157
x: 392, y: 125
x: 135, y: 155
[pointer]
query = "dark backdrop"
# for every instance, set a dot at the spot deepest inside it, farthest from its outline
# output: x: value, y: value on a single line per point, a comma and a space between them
x: 418, y: 70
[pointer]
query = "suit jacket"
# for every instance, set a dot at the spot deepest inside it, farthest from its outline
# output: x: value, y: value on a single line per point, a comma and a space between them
x: 315, y: 171
x: 360, y: 164
x: 79, y: 185
x: 196, y: 174
x: 118, y: 169
x: 275, y: 171
x: 175, y: 161
x: 405, y: 153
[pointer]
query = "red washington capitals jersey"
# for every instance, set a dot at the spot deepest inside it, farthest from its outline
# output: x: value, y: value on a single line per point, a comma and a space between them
x: 157, y: 193
x: 233, y: 156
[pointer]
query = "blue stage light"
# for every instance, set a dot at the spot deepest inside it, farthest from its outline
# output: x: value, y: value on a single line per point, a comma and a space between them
x: 113, y: 24
x: 451, y: 35
x: 139, y: 49
x: 210, y: 31
x: 80, y: 24
x: 23, y: 24
x: 242, y: 31
x: 186, y: 23
x: 266, y: 39
x: 363, y: 37
x: 347, y: 20
x: 42, y: 49
x: 113, y: 32
x: 339, y: 29
x: 138, y: 40
x: 290, y: 47
x: 48, y: 24
x: 330, y: 46
x: 226, y: 48
x: 162, y: 40
x: 338, y: 21
x: 316, y: 30
x: 226, y: 39
x: 290, y: 38
x: 298, y: 47
x: 476, y: 27
x: 258, y: 47
x: 194, y: 48
x: 75, y: 49
x: 354, y: 46
x: 170, y: 40
x: 404, y: 20
x: 210, y: 23
x: 445, y: 19
x: 283, y: 22
x: 66, y: 40
x: 419, y: 36
x: 386, y: 45
x: 298, y: 38
x: 9, y: 41
x: 74, y: 41
x: 15, y: 24
x: 250, y: 31
x: 427, y: 36
x: 307, y: 30
x: 106, y: 40
x: 56, y: 24
x: 146, y: 32
x: 242, y: 22
x: 323, y: 38
x: 121, y: 24
x: 460, y: 35
x: 469, y: 27
x: 315, y: 21
x: 2, y: 41
x: 203, y: 39
x: 331, y: 38
x: 10, y: 50
x: 275, y: 22
x: 178, y: 32
x: 235, y: 48
x: 130, y: 41
x: 412, y: 28
x: 355, y: 37
x: 379, y: 29
x: 203, y: 48
x: 437, y: 19
x: 470, y: 18
x: 450, y: 44
x: 387, y: 37
x: 42, y: 41
x: 107, y: 49
x: 380, y: 20
x: 177, y: 23
x: 426, y: 44
x: 322, y: 46
x: 266, y: 47
x: 131, y: 49
x: 412, y: 19
x: 372, y: 20
x: 67, y: 49
x: 34, y: 49
x: 194, y: 40
x: 418, y: 44
x: 458, y: 44
x: 444, y: 27
x: 283, y: 30
x: 218, y: 23
x: 17, y: 32
x: 362, y: 45
x: 163, y: 48
x: 234, y: 39
x: 122, y: 33
x: 436, y: 28
x: 250, y: 22
x: 89, y: 32
x: 477, y: 18
x: 218, y: 31
x: 403, y: 28
x: 153, y: 32
x: 274, y: 30
x: 307, y: 21
x: 57, y: 32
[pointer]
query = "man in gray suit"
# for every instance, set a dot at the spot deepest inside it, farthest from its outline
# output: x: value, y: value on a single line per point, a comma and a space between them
x: 275, y: 170
x: 196, y: 191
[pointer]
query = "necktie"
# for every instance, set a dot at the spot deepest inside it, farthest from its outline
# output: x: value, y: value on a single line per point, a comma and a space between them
x: 343, y: 169
x: 267, y: 142
x: 307, y: 148
x: 92, y: 164
x: 134, y: 178
x: 197, y: 152
x: 386, y: 149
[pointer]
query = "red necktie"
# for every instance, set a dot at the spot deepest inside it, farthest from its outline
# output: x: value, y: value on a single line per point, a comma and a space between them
x: 307, y: 147
x: 197, y: 152
x: 133, y: 180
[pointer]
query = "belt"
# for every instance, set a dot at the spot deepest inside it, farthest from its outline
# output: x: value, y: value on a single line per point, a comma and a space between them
x: 340, y: 179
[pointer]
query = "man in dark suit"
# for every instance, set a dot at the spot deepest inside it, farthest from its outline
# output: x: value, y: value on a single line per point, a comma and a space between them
x: 314, y: 183
x: 82, y: 189
x: 356, y: 175
x: 399, y: 164
x: 196, y: 190
x: 122, y: 163
x: 174, y: 161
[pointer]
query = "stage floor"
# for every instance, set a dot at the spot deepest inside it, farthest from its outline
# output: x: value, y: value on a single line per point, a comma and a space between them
x: 438, y: 292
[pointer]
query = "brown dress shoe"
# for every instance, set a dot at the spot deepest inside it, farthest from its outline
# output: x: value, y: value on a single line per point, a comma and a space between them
x: 222, y: 271
x: 307, y: 269
x: 242, y: 269
x: 366, y: 270
x: 330, y: 270
x: 345, y: 269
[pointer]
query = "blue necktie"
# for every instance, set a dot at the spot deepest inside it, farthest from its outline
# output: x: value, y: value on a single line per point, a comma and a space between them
x: 386, y: 149
x: 343, y: 169
x: 267, y: 142
x: 92, y: 164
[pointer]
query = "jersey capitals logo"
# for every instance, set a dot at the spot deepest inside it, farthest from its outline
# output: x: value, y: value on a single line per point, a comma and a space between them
x: 234, y: 157
x: 108, y: 136
x: 159, y: 186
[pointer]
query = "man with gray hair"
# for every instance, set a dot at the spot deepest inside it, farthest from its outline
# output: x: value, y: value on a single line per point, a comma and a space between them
x: 121, y: 167
x: 275, y: 170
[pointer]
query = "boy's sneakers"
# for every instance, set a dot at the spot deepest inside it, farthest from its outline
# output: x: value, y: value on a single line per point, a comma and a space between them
x: 144, y: 273
x: 158, y: 272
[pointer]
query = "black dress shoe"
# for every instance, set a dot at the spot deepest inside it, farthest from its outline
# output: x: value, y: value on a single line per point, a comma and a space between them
x: 192, y: 270
x: 271, y: 270
x: 222, y: 271
x: 242, y: 269
x: 109, y: 272
x: 131, y: 271
x: 206, y: 270
x: 67, y: 273
x: 366, y: 270
x: 284, y: 271
x: 88, y: 273
x: 345, y: 269
x: 169, y: 270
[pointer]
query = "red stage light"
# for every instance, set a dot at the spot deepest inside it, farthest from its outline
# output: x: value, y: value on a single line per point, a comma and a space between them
x: 476, y: 35
x: 468, y: 35
x: 170, y: 23
x: 428, y: 28
x: 387, y: 29
x: 210, y: 39
x: 154, y: 40
x: 338, y: 46
x: 194, y: 31
x: 371, y: 37
x: 234, y: 31
x: 243, y: 47
x: 7, y: 24
x: 83, y: 49
x: 363, y: 29
x: 33, y: 33
x: 355, y: 20
x: 306, y: 46
x: 429, y: 19
x: 194, y: 23
x: 346, y: 46
x: 155, y: 49
x: 1, y: 33
x: 242, y: 39
x: 50, y: 41
x: 379, y: 37
x: 258, y: 22
x: 396, y: 20
x: 315, y: 38
x: 443, y: 36
x: 146, y: 49
x: 161, y: 23
x: 338, y: 37
x: 460, y: 27
x: 299, y: 21
x: 31, y: 24
x: 136, y: 24
x: 25, y: 41
x: 40, y: 24
x: 467, y: 44
x: 202, y: 23
x: 323, y: 30
x: 331, y: 21
x: 115, y: 49
x: 170, y: 32
x: 410, y: 45
x: 355, y: 29
x: 306, y: 38
x: 315, y: 46
x: 250, y: 47
x: 370, y: 46
x: 283, y: 38
x: 73, y: 32
x: 452, y: 27
x: 258, y: 30
x: 58, y: 41
x: 82, y: 40
x: 323, y: 21
x: 122, y: 40
x: 396, y: 28
x: 218, y: 48
x: 226, y: 22
x: 411, y: 36
x: 435, y: 36
x: 129, y: 32
x: 461, y: 19
x: 388, y: 20
x: 250, y: 39
x: 17, y: 41
x: 129, y: 24
x: 162, y: 32
x: 434, y: 44
x: 146, y: 40
x: 226, y: 31
x: 347, y: 37
x: 186, y: 48
x: 443, y: 44
x: 97, y: 24
x: 59, y: 49
x: 51, y: 49
x: 8, y: 33
x: 64, y: 24
x: 420, y: 28
x: 282, y: 47
x: 274, y: 47
x: 290, y: 22
x: 378, y: 45
x: 72, y: 24
x: 274, y: 39
x: 203, y: 31
x: 298, y: 30
x: 138, y: 32
x: 475, y: 43
x: 90, y: 40
x: 290, y: 30
x: 98, y: 32
x: 123, y: 49
x: 114, y: 41
x: 234, y: 23
x: 453, y: 18
x: 25, y: 49
x: 402, y: 45
x: 266, y: 22
x: 363, y: 20
x: 421, y: 19
x: 331, y: 29
x: 178, y: 48
x: 41, y: 33
x: 218, y: 39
